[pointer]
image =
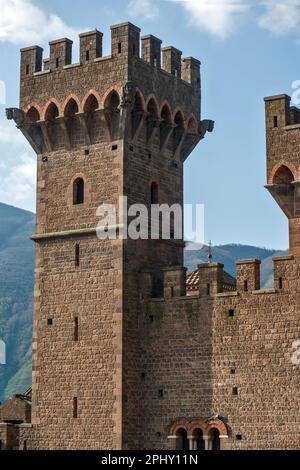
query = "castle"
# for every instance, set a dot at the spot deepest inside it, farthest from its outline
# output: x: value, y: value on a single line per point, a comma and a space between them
x: 123, y: 358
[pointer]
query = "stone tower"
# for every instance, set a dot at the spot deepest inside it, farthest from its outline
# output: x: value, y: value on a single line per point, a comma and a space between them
x: 102, y: 128
x: 283, y: 146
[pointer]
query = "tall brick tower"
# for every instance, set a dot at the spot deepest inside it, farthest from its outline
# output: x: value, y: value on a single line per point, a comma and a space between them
x: 102, y: 128
x: 283, y: 146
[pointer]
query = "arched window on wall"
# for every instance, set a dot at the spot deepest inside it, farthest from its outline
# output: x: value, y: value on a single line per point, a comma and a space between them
x: 78, y: 191
x: 199, y: 443
x: 215, y: 439
x: 182, y: 442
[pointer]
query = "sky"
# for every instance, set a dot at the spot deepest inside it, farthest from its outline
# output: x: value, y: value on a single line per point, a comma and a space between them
x: 248, y: 49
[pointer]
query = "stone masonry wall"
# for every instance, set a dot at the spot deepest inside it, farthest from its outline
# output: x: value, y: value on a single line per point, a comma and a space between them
x: 229, y: 355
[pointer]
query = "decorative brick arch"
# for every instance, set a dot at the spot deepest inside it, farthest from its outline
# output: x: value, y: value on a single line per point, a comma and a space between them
x: 274, y: 170
x: 206, y: 427
x: 141, y: 96
x: 87, y: 191
x: 176, y: 111
x: 181, y: 424
x: 165, y: 103
x: 67, y: 100
x: 190, y: 119
x: 32, y: 105
x: 46, y: 106
x: 115, y: 88
x: 197, y: 424
x: 153, y: 98
x: 88, y: 95
x: 219, y: 426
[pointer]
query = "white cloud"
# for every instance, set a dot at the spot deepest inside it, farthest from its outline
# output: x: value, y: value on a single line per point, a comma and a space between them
x: 18, y: 184
x: 9, y: 134
x: 23, y: 22
x: 143, y: 9
x: 217, y: 17
x: 281, y: 16
x: 17, y: 168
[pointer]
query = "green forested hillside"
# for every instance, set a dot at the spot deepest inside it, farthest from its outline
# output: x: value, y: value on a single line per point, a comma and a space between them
x: 16, y: 292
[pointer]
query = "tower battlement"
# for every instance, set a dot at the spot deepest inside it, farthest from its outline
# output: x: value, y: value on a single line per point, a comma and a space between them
x: 142, y: 60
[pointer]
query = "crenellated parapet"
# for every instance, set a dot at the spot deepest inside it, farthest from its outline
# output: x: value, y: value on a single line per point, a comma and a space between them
x: 154, y: 98
x: 165, y: 69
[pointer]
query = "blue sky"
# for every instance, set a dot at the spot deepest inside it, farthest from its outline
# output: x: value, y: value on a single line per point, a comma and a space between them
x: 248, y: 49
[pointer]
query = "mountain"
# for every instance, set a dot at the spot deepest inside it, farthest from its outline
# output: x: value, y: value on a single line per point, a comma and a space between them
x: 16, y: 292
x: 229, y: 254
x: 16, y: 289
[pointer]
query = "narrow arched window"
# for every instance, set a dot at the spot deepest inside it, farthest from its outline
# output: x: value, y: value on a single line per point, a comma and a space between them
x: 154, y: 193
x: 78, y: 191
x: 215, y: 440
x: 198, y: 441
x: 182, y: 442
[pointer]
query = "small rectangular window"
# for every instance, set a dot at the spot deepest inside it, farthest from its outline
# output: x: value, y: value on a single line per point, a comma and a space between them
x: 151, y: 318
x: 57, y: 62
x: 232, y: 371
x: 75, y: 329
x: 172, y: 291
x: 280, y: 283
x: 114, y: 147
x: 208, y: 289
x: 246, y: 286
x: 50, y: 321
x: 77, y: 254
x: 87, y: 56
x: 275, y: 121
x: 119, y: 47
x: 235, y: 391
x: 27, y: 69
x: 75, y: 408
x: 239, y: 437
x: 231, y: 313
x: 160, y: 393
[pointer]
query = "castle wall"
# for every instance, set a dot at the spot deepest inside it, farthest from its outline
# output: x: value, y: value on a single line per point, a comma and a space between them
x: 198, y: 350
